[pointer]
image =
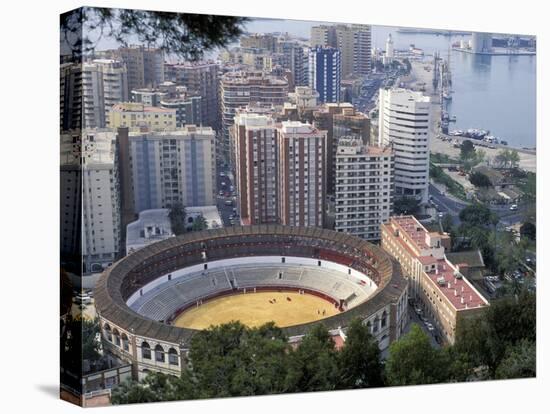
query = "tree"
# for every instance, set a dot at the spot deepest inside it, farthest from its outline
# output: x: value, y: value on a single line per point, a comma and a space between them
x: 406, y: 205
x: 185, y: 35
x: 313, y: 365
x: 447, y: 223
x: 507, y: 159
x: 485, y: 341
x: 177, y: 218
x: 154, y: 388
x: 413, y: 361
x: 359, y: 359
x: 480, y: 180
x: 520, y: 361
x: 469, y: 157
x: 199, y: 224
x: 234, y: 360
x: 467, y: 149
x: 477, y: 215
x: 528, y: 230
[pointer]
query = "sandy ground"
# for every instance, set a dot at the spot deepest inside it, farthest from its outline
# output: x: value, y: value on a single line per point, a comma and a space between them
x: 420, y: 76
x: 254, y: 309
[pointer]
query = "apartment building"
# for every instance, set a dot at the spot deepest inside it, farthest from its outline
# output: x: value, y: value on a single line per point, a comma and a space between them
x: 302, y: 188
x: 70, y: 96
x: 145, y: 66
x: 325, y: 73
x: 364, y: 187
x: 104, y: 84
x: 200, y: 79
x: 136, y: 115
x: 353, y: 42
x: 446, y: 295
x: 257, y: 178
x: 404, y: 123
x: 239, y: 89
x: 170, y: 167
x: 90, y: 208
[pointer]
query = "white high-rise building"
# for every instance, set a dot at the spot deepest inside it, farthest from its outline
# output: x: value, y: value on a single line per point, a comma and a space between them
x: 104, y: 84
x: 388, y: 58
x: 90, y: 208
x: 364, y: 187
x: 404, y: 123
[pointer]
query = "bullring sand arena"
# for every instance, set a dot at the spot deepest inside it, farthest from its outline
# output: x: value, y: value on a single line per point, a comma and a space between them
x: 255, y: 309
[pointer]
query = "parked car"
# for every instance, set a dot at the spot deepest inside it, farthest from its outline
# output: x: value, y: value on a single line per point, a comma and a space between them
x: 513, y: 207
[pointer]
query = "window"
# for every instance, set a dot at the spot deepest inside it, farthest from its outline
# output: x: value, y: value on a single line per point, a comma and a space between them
x: 145, y: 351
x: 159, y: 354
x: 125, y: 342
x: 173, y: 357
x: 116, y: 336
x: 108, y: 333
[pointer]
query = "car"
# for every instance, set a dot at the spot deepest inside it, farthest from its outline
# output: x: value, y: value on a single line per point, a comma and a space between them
x: 440, y: 215
x: 513, y: 207
x: 222, y: 174
x: 424, y: 319
x: 418, y: 310
x: 221, y: 193
x: 430, y: 327
x: 228, y: 202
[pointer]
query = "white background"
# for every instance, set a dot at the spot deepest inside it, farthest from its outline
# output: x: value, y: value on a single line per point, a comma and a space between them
x: 29, y: 143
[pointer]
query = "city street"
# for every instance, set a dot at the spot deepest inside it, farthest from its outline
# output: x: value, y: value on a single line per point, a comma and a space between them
x: 415, y: 318
x: 224, y: 184
x: 447, y: 205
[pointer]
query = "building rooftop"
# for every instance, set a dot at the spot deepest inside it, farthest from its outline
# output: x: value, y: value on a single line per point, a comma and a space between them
x: 88, y: 147
x: 414, y: 230
x: 300, y: 129
x: 210, y: 213
x: 139, y: 107
x: 455, y: 287
x: 446, y: 275
x: 151, y: 226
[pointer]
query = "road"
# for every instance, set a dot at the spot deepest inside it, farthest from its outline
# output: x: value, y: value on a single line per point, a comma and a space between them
x: 447, y: 205
x: 224, y: 184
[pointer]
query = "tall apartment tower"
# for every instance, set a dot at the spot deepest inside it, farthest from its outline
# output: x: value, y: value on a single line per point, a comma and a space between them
x: 325, y: 73
x: 257, y: 160
x: 323, y: 36
x: 70, y: 97
x: 104, y: 84
x: 240, y: 89
x: 295, y: 59
x: 302, y: 188
x: 353, y: 41
x: 364, y: 187
x: 145, y: 66
x: 201, y: 79
x: 170, y: 167
x: 90, y: 210
x: 362, y: 59
x: 404, y: 123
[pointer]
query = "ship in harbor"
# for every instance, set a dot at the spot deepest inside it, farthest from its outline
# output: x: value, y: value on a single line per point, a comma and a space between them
x: 477, y: 134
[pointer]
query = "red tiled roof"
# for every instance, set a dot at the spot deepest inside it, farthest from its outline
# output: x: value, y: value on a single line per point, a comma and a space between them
x: 457, y: 290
